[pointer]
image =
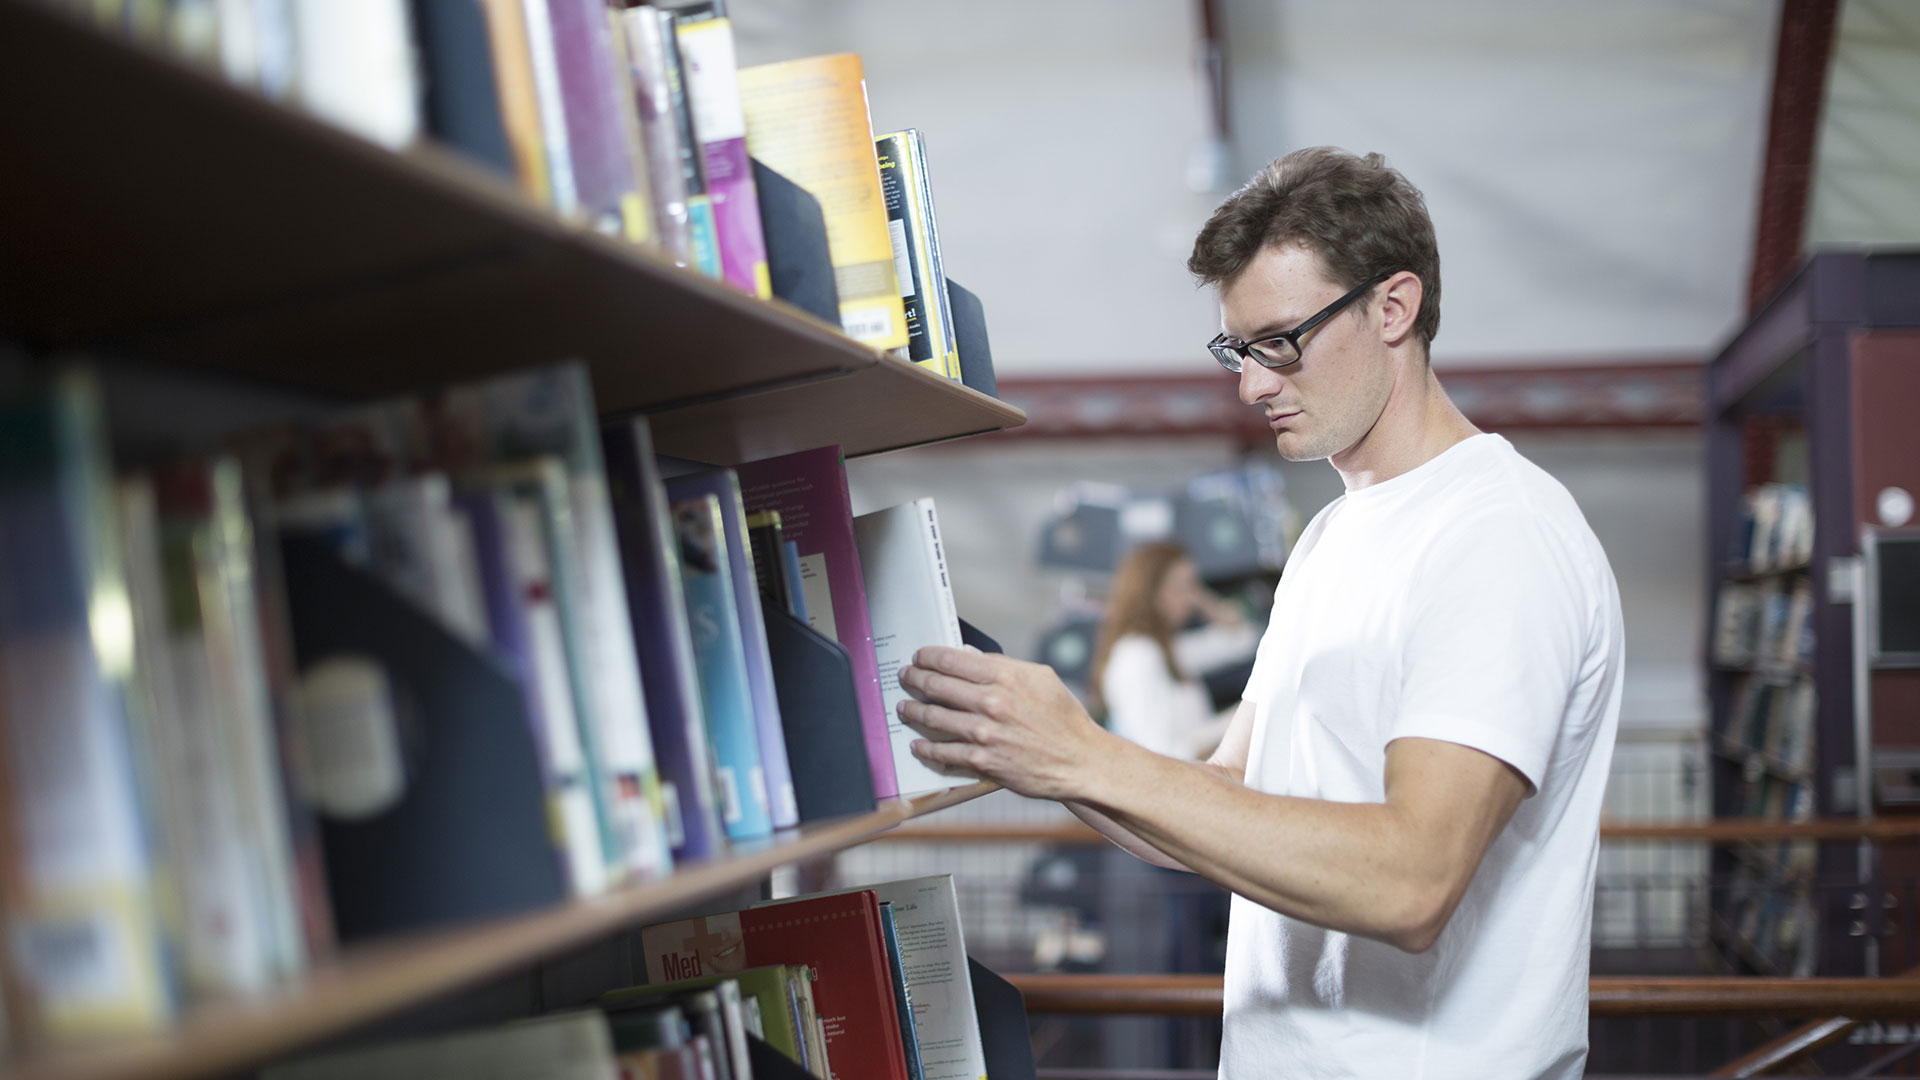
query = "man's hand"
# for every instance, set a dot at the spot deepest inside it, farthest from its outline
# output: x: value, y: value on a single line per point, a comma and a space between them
x: 1000, y: 719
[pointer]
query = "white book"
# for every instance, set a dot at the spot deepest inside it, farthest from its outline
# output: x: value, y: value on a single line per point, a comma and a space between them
x: 933, y: 955
x: 567, y: 1046
x: 354, y: 66
x: 910, y: 603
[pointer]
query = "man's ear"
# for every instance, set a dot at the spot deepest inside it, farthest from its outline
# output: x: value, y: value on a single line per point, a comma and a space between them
x: 1400, y: 297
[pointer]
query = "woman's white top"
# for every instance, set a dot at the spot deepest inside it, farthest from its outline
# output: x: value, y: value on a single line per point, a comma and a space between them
x: 1147, y: 705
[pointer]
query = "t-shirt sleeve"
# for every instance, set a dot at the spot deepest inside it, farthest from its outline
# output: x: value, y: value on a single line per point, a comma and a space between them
x: 1496, y: 635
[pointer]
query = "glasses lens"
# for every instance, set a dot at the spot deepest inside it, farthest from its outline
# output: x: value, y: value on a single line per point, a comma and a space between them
x: 1227, y: 357
x: 1274, y: 352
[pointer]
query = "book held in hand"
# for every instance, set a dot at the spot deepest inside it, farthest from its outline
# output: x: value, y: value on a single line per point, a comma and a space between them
x: 910, y: 601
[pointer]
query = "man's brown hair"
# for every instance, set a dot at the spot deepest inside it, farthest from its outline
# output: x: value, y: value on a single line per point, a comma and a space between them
x: 1360, y: 216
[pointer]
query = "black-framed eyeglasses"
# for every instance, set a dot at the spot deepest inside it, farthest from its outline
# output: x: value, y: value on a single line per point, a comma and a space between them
x: 1283, y: 349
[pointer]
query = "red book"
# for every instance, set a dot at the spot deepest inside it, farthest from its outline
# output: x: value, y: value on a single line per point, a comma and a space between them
x: 837, y: 937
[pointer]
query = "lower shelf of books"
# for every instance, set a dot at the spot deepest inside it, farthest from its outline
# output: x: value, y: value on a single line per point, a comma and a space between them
x: 377, y: 980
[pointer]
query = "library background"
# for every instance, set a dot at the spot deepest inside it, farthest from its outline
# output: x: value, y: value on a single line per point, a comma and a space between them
x: 470, y: 468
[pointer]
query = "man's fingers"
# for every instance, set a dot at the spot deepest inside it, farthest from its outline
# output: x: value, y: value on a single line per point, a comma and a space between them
x: 948, y: 758
x: 973, y: 666
x: 927, y: 684
x: 939, y: 722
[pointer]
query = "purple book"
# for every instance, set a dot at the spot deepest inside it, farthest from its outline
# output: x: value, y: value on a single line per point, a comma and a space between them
x: 713, y: 88
x: 605, y: 171
x: 809, y: 489
x: 658, y: 608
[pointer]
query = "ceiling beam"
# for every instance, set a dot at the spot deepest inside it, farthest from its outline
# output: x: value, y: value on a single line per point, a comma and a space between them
x: 1799, y: 85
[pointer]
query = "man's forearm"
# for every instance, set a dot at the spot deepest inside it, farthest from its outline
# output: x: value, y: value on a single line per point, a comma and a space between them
x: 1343, y: 866
x: 1127, y: 841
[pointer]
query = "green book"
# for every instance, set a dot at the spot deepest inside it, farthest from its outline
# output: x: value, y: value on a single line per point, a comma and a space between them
x: 767, y: 985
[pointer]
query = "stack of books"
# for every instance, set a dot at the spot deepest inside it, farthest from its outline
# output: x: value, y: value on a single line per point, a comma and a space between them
x: 442, y: 657
x: 633, y: 120
x: 868, y: 984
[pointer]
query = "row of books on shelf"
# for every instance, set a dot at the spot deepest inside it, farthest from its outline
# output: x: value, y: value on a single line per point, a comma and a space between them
x: 1775, y: 530
x: 867, y: 984
x: 432, y: 659
x: 1771, y: 724
x: 1774, y: 925
x: 634, y: 119
x: 1765, y: 624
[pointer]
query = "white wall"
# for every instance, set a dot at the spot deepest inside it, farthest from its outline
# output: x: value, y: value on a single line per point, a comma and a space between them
x: 1591, y: 168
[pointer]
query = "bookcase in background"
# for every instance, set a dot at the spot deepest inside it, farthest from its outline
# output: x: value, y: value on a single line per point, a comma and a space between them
x: 160, y: 216
x: 1818, y: 388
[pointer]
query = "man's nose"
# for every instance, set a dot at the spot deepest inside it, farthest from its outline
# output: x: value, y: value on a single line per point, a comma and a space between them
x: 1257, y: 383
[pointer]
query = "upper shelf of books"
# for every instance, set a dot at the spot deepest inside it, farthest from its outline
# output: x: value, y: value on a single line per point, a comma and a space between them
x: 152, y: 210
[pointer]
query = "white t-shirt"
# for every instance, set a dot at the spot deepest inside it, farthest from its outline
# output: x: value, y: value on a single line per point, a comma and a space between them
x: 1466, y: 601
x: 1147, y: 705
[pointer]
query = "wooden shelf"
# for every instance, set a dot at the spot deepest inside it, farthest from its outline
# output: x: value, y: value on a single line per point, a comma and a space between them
x: 164, y: 214
x: 368, y: 983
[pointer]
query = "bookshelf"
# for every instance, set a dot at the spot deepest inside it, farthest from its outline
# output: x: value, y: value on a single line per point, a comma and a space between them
x: 167, y: 215
x: 1810, y: 363
x: 371, y: 982
x: 154, y: 213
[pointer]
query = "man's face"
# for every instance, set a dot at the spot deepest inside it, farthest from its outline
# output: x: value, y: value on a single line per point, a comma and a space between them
x: 1327, y: 402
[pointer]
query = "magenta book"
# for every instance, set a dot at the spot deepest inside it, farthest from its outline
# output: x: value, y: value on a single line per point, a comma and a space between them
x: 809, y: 489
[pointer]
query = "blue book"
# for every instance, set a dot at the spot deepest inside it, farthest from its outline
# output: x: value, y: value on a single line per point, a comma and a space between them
x: 724, y: 486
x: 718, y: 652
x: 657, y: 605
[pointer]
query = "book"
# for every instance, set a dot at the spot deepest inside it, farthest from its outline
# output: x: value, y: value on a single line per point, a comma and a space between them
x: 713, y: 93
x: 720, y: 658
x: 809, y: 491
x: 564, y: 1046
x: 933, y: 957
x: 550, y: 411
x: 605, y: 169
x: 702, y: 231
x: 519, y: 96
x: 838, y: 937
x: 353, y: 65
x: 653, y: 71
x: 902, y: 993
x: 916, y: 254
x: 724, y: 486
x: 657, y: 605
x: 807, y: 120
x: 769, y: 560
x: 769, y: 986
x: 461, y: 99
x: 910, y: 601
x: 76, y: 887
x: 575, y: 782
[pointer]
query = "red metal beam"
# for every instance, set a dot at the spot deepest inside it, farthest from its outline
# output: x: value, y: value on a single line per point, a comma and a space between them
x: 1627, y: 395
x: 1799, y: 85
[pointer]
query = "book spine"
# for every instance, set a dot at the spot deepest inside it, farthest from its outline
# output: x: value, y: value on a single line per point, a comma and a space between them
x: 783, y: 804
x: 943, y: 585
x: 85, y: 950
x: 637, y: 213
x: 659, y: 131
x: 354, y: 67
x: 927, y: 239
x: 902, y: 994
x: 519, y: 96
x: 570, y: 788
x: 713, y: 89
x: 715, y: 624
x: 542, y: 50
x: 909, y: 264
x: 604, y: 172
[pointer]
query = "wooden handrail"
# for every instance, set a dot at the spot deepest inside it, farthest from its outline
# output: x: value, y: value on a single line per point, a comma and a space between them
x: 1708, y: 996
x: 1720, y: 831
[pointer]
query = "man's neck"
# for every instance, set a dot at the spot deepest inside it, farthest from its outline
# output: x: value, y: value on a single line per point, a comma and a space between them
x: 1418, y: 424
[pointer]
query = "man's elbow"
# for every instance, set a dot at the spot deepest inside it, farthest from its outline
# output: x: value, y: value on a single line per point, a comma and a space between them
x: 1421, y: 918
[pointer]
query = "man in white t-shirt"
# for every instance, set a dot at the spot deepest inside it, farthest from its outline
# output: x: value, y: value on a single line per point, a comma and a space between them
x: 1407, y: 803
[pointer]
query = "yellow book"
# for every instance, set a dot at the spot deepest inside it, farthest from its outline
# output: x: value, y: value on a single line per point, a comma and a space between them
x: 807, y: 120
x: 519, y: 101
